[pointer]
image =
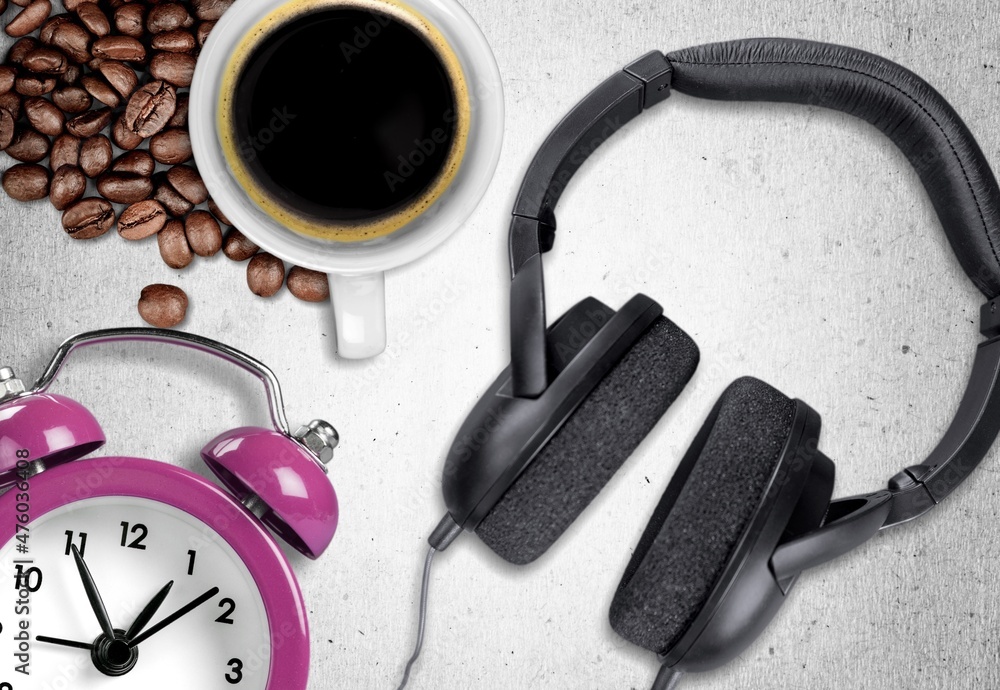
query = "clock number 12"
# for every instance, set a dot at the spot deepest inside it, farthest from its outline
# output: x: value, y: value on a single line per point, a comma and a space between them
x: 139, y: 530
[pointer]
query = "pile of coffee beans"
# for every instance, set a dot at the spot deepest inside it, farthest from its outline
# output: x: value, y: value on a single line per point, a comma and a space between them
x: 94, y: 109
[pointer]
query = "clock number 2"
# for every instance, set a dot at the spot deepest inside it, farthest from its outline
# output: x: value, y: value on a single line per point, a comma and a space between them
x: 234, y: 676
x: 229, y: 607
x: 141, y: 532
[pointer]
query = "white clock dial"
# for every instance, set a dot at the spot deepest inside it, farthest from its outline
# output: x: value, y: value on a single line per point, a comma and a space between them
x: 133, y: 548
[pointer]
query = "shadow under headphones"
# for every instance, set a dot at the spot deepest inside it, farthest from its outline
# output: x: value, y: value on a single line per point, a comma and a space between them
x: 749, y: 508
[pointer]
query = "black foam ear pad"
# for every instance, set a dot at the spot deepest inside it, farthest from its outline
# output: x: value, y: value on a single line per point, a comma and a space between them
x: 703, y: 514
x: 581, y: 457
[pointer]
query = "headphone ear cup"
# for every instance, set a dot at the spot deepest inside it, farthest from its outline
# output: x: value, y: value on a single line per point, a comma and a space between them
x: 703, y: 515
x: 583, y: 455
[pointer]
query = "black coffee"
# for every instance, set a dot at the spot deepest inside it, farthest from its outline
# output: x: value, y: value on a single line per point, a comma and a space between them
x: 345, y: 115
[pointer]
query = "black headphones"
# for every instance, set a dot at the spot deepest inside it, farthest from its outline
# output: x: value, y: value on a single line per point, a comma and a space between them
x: 749, y: 507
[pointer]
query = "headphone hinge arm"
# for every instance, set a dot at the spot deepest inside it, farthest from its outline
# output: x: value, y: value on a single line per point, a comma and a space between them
x: 989, y: 318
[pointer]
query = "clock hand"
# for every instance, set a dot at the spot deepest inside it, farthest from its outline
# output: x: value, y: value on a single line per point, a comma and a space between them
x: 63, y: 643
x: 147, y: 613
x: 94, y: 596
x: 173, y: 617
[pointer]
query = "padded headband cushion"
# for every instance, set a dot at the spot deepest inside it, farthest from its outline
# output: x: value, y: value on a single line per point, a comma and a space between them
x: 581, y: 457
x: 702, y: 516
x: 906, y: 108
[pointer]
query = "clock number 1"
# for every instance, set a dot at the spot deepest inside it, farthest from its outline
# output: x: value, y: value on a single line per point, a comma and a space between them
x: 141, y: 532
x: 192, y: 556
x: 235, y: 674
x: 71, y: 539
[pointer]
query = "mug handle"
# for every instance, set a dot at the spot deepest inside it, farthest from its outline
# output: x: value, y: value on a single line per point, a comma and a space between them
x: 359, y: 309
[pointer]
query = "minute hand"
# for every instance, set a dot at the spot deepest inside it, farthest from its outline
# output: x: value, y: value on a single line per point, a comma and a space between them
x: 172, y: 618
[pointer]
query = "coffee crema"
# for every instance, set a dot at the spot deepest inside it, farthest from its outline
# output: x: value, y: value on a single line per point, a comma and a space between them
x: 344, y: 119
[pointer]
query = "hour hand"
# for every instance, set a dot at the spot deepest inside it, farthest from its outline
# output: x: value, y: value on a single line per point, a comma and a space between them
x: 93, y: 595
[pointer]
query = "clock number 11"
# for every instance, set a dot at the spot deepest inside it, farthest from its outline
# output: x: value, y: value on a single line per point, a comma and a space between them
x: 71, y: 539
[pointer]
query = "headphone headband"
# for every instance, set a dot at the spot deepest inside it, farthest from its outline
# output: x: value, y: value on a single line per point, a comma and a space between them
x: 913, y: 114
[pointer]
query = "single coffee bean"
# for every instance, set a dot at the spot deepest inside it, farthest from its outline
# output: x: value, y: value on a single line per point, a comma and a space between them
x: 135, y: 162
x: 150, y: 108
x: 130, y: 20
x: 11, y: 102
x: 203, y: 233
x: 124, y: 188
x: 101, y: 90
x: 173, y: 68
x: 7, y: 76
x: 72, y: 99
x: 7, y: 127
x: 118, y: 48
x: 265, y: 274
x: 71, y: 76
x: 120, y: 76
x: 73, y: 40
x: 188, y: 184
x: 308, y: 286
x: 174, y: 248
x: 74, y: 5
x: 93, y: 19
x: 141, y: 220
x: 95, y: 155
x: 65, y: 151
x: 171, y: 146
x: 163, y: 306
x: 178, y: 41
x: 34, y: 85
x: 44, y: 116
x: 45, y: 61
x: 123, y: 135
x: 28, y: 146
x: 237, y: 247
x: 29, y: 19
x: 68, y: 186
x: 210, y: 10
x: 88, y: 218
x: 26, y: 182
x: 217, y: 212
x: 166, y: 16
x: 204, y: 29
x: 176, y: 205
x: 89, y: 123
x: 48, y: 30
x: 20, y: 49
x: 180, y: 118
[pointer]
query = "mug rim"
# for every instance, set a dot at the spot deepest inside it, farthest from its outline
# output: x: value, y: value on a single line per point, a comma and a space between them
x: 418, y: 237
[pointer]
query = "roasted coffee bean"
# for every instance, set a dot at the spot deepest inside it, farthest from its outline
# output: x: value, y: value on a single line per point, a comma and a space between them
x: 124, y: 188
x: 163, y: 306
x: 7, y: 76
x: 73, y: 40
x: 28, y: 146
x: 26, y: 182
x: 72, y: 99
x: 167, y: 16
x: 141, y: 220
x: 34, y: 85
x: 70, y: 76
x: 217, y: 212
x: 93, y: 19
x: 203, y: 233
x: 45, y: 61
x: 11, y: 102
x: 308, y: 286
x: 210, y: 10
x: 95, y: 155
x: 237, y: 247
x: 119, y: 48
x: 7, y: 127
x: 74, y: 5
x: 101, y: 90
x: 68, y: 186
x: 19, y: 3
x: 130, y: 20
x: 44, y: 116
x: 89, y: 123
x: 123, y: 135
x: 178, y: 41
x: 204, y: 29
x: 65, y: 151
x: 174, y: 248
x: 48, y: 30
x: 265, y: 274
x: 88, y: 218
x: 120, y: 76
x: 173, y: 68
x: 188, y: 184
x: 171, y: 146
x: 30, y: 18
x: 20, y: 49
x: 136, y: 162
x: 176, y: 205
x: 180, y: 118
x: 150, y: 108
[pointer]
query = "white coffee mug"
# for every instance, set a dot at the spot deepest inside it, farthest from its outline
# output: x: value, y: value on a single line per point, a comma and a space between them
x: 356, y: 269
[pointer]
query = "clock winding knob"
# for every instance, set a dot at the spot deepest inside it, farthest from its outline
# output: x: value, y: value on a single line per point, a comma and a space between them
x: 10, y: 385
x: 320, y: 438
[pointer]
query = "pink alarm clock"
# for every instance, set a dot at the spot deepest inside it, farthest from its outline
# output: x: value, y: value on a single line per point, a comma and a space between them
x: 119, y: 568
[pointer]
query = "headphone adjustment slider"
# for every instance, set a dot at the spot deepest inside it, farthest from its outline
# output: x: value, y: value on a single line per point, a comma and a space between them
x: 656, y: 73
x: 989, y: 318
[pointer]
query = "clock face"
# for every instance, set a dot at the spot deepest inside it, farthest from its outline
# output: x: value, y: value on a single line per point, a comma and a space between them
x: 133, y: 548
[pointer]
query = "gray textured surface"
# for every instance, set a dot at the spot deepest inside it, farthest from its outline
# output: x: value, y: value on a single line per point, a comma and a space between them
x: 793, y: 244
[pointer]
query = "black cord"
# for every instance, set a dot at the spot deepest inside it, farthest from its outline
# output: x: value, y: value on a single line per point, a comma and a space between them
x: 667, y: 679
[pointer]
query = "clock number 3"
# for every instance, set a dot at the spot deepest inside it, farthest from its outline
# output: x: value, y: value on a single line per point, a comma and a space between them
x: 235, y: 674
x: 140, y: 532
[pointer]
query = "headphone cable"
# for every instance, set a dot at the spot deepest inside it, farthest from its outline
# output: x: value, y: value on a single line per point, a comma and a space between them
x: 667, y: 679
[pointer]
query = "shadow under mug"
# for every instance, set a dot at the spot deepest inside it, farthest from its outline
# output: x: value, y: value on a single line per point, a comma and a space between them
x: 355, y: 261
